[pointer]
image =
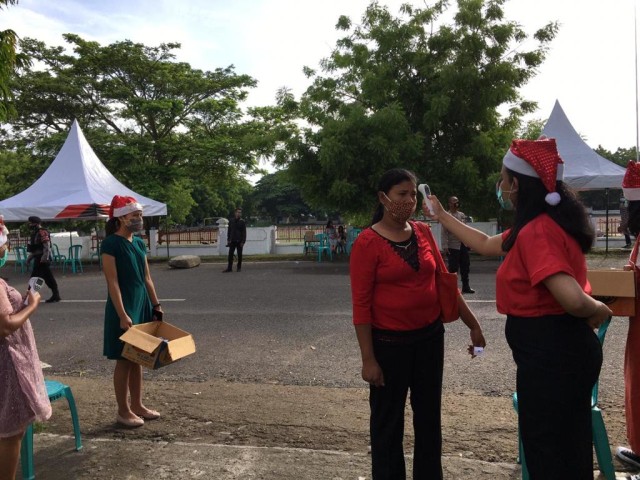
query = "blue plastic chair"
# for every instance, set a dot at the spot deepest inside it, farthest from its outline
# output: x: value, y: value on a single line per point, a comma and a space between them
x: 310, y: 242
x: 599, y: 431
x: 94, y: 254
x: 352, y: 234
x: 55, y: 390
x: 73, y: 259
x: 323, y: 246
x: 21, y: 259
x: 57, y: 259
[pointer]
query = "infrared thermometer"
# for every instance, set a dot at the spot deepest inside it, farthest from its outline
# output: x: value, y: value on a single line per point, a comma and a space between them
x: 35, y: 284
x: 424, y: 189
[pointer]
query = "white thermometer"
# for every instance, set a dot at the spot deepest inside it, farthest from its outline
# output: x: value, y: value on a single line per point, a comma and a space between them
x: 424, y: 189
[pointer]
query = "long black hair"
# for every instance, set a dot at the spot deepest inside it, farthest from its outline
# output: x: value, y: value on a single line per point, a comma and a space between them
x: 389, y: 179
x: 634, y: 217
x: 570, y: 214
x: 113, y: 224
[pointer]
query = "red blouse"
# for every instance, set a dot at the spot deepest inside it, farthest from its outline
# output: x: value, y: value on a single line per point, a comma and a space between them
x: 385, y: 291
x: 541, y: 250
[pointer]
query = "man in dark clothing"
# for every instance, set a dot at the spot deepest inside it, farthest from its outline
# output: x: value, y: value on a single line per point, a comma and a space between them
x: 236, y: 237
x: 39, y: 249
x: 457, y: 252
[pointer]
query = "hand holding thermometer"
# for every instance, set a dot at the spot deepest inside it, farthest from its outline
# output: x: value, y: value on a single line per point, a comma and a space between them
x: 424, y: 189
x: 35, y: 284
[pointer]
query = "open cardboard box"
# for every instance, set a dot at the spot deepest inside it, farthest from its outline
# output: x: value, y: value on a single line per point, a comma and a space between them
x: 616, y: 289
x: 156, y: 344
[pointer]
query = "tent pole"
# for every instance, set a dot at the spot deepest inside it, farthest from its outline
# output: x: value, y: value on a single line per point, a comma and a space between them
x: 166, y: 230
x: 606, y: 216
x: 635, y: 37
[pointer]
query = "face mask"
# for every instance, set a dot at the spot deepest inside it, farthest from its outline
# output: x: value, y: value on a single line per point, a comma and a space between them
x: 400, y: 211
x: 135, y: 225
x: 5, y: 255
x: 505, y: 203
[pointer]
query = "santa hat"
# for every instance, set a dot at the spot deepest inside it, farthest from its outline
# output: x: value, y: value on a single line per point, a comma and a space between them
x: 540, y: 159
x: 4, y: 232
x: 631, y: 181
x: 120, y: 206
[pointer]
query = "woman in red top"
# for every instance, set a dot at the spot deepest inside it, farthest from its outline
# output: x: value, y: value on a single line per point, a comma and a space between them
x: 542, y: 287
x: 397, y: 320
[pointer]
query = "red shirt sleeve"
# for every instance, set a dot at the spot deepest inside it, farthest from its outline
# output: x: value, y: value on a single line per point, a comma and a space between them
x: 363, y: 263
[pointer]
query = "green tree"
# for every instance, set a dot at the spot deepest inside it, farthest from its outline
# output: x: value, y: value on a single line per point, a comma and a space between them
x: 10, y: 61
x: 162, y: 127
x: 276, y: 196
x: 413, y: 91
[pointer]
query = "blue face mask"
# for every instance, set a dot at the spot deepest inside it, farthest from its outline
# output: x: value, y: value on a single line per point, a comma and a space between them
x: 505, y: 203
x: 3, y: 260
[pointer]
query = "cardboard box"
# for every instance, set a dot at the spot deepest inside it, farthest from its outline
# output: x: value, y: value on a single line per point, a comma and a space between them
x: 616, y: 289
x: 156, y: 344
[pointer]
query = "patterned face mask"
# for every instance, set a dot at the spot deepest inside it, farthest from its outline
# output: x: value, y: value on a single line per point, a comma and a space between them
x: 135, y: 225
x: 400, y: 211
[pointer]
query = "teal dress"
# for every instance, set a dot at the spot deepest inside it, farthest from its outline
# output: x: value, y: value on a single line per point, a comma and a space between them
x: 130, y: 266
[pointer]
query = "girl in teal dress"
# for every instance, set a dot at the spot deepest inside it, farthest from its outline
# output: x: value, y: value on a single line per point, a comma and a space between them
x: 131, y: 300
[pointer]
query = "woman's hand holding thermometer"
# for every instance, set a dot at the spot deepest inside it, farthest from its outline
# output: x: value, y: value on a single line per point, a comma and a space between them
x: 424, y: 189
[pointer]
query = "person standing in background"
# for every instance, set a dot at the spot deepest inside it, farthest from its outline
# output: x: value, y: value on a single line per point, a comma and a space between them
x: 624, y: 222
x: 457, y: 252
x: 39, y: 249
x: 236, y: 238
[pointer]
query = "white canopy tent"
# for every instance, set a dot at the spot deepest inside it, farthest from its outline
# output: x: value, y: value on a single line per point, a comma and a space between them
x: 76, y: 185
x: 584, y: 169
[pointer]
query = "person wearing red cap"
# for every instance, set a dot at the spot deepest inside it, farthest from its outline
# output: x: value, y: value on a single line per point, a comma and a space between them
x: 543, y: 289
x: 23, y: 395
x: 131, y: 300
x: 631, y: 454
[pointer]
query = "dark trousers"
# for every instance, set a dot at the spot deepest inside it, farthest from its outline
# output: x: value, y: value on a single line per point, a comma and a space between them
x: 459, y: 260
x: 232, y: 247
x: 558, y: 359
x: 410, y: 361
x: 43, y: 270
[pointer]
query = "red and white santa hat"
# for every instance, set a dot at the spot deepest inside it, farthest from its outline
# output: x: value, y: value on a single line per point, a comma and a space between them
x: 631, y: 181
x: 121, y: 206
x: 4, y: 232
x: 540, y: 159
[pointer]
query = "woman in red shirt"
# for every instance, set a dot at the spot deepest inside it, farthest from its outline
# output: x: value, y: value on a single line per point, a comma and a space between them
x: 397, y: 320
x: 542, y: 287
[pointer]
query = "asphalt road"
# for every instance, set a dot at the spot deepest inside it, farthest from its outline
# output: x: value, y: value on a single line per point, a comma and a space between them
x: 282, y: 322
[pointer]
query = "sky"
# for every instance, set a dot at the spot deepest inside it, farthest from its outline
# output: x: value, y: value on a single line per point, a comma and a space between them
x: 590, y: 68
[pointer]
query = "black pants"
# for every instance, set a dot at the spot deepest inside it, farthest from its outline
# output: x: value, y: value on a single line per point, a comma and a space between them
x: 43, y: 270
x: 409, y: 361
x: 232, y: 247
x: 558, y: 359
x: 459, y: 260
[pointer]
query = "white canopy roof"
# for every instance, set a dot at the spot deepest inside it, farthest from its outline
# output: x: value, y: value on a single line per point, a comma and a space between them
x: 584, y: 169
x: 76, y: 185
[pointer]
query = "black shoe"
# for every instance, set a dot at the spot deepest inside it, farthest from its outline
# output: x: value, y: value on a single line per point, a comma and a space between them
x: 468, y: 290
x: 628, y: 245
x: 627, y: 456
x: 227, y: 270
x: 54, y: 299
